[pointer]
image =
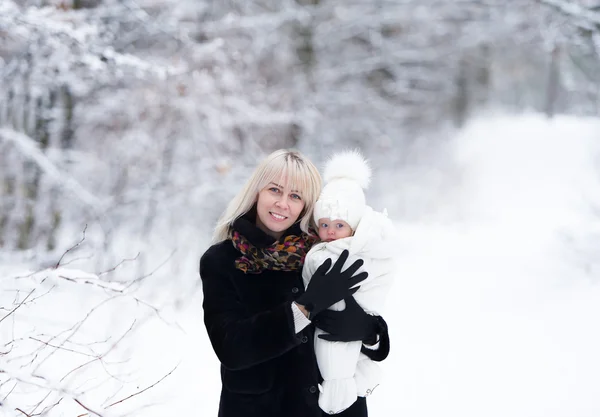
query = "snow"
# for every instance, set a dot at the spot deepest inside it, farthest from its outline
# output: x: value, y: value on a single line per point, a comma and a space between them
x: 494, y: 311
x: 492, y: 315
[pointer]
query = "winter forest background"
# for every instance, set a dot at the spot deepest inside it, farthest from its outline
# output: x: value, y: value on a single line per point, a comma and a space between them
x: 126, y: 126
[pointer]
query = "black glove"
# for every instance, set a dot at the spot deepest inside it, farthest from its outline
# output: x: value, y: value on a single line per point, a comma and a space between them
x: 383, y: 350
x: 327, y: 288
x: 348, y: 325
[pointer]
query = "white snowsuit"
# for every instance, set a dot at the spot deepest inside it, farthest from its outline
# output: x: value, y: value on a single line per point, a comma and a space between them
x: 346, y: 372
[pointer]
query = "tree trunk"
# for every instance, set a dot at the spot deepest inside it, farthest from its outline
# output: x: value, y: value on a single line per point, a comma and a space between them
x: 33, y: 174
x: 553, y: 83
x: 482, y: 75
x: 461, y: 101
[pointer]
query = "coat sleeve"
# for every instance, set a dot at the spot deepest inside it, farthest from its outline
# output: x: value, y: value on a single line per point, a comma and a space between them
x: 241, y: 340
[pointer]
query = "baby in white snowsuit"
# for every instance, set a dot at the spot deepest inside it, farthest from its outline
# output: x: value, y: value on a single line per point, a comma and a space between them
x: 345, y: 222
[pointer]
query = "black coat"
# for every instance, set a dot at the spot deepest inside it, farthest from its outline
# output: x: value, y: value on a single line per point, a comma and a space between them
x: 267, y: 370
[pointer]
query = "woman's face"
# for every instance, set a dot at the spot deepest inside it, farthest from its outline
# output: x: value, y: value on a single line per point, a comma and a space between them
x: 277, y: 208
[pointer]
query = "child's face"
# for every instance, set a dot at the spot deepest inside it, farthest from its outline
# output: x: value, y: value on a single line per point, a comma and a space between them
x: 333, y: 229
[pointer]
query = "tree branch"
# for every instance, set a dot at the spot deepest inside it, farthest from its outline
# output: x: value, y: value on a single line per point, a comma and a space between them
x: 71, y: 248
x: 574, y: 10
x: 145, y: 389
x: 87, y: 408
x: 29, y: 149
x: 19, y: 305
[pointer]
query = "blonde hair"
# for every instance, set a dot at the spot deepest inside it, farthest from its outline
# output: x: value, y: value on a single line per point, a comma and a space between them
x: 299, y: 173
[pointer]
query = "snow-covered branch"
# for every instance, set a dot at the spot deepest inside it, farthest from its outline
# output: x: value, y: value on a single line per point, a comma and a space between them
x: 261, y: 22
x: 52, y: 361
x: 574, y: 10
x: 28, y: 148
x: 37, y: 26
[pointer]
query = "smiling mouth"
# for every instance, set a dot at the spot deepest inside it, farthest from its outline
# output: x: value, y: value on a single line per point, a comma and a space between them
x: 277, y: 217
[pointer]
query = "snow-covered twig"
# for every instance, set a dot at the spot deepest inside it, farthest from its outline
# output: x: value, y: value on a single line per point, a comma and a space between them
x: 19, y: 305
x: 143, y: 277
x: 87, y: 408
x: 71, y: 248
x: 41, y: 382
x: 61, y: 347
x: 119, y: 264
x: 141, y: 391
x: 102, y: 355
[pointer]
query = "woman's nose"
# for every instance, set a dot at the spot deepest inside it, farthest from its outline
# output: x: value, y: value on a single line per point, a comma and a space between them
x: 281, y: 203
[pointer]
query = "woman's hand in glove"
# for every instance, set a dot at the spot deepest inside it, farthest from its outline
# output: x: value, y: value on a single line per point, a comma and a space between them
x: 348, y: 325
x: 327, y: 288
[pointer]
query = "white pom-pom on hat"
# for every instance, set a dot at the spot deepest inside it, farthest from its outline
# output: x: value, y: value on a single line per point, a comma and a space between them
x: 346, y: 175
x: 350, y: 165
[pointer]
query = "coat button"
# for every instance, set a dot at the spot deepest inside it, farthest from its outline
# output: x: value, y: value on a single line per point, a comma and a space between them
x: 304, y: 339
x: 295, y: 290
x: 312, y: 389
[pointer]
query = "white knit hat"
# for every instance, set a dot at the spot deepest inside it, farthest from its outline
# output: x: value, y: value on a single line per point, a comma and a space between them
x: 342, y: 198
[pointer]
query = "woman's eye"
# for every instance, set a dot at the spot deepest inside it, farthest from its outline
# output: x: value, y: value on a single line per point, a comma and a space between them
x: 274, y: 189
x: 296, y: 197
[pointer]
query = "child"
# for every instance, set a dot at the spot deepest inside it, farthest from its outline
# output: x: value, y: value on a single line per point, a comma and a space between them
x: 345, y: 222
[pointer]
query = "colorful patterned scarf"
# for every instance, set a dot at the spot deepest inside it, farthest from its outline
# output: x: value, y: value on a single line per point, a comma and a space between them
x: 286, y: 255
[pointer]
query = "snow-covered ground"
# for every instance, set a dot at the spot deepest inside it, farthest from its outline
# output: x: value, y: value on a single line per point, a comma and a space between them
x: 495, y: 310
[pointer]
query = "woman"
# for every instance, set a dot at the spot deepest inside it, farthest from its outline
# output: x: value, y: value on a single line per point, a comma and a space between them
x: 256, y: 312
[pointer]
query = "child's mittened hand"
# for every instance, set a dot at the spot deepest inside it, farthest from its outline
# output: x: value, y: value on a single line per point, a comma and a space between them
x: 327, y: 288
